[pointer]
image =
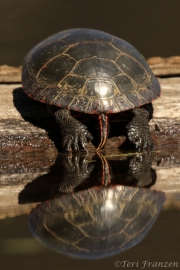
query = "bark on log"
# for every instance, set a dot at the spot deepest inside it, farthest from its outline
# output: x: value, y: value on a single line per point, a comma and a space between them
x: 10, y: 74
x: 165, y: 66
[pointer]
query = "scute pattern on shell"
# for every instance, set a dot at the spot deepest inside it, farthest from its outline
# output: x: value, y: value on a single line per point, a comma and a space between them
x: 88, y: 71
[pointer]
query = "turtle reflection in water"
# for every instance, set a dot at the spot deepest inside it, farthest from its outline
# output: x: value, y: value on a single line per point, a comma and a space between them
x: 72, y: 173
x: 97, y: 222
x: 79, y: 173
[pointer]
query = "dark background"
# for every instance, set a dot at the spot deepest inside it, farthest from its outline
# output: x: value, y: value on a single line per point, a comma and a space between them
x: 153, y: 27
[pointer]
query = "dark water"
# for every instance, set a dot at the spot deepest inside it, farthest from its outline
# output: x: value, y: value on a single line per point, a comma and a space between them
x: 151, y: 26
x: 19, y: 250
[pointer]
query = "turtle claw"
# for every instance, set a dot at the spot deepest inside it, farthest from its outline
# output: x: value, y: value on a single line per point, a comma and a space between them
x: 66, y: 144
x: 83, y: 140
x: 74, y: 134
x: 76, y: 144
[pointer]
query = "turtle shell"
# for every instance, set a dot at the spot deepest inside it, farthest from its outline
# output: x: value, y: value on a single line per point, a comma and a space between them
x: 96, y: 223
x: 88, y: 71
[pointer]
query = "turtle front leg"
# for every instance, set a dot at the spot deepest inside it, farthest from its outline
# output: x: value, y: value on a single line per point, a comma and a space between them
x: 74, y: 134
x: 138, y: 130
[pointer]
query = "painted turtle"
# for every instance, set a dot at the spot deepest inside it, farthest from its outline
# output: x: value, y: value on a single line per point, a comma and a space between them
x: 97, y: 222
x: 95, y: 73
